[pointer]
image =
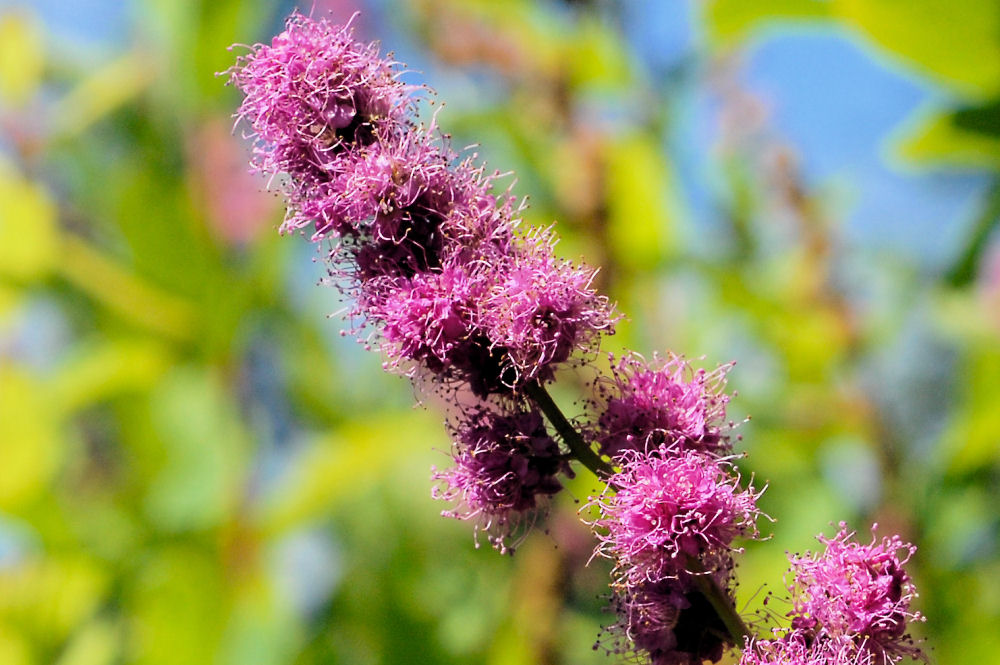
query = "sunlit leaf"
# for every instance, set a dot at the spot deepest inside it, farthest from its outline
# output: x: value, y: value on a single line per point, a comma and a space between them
x: 103, y: 91
x: 97, y: 643
x: 973, y: 441
x: 29, y: 438
x: 937, y: 137
x: 177, y: 607
x: 22, y: 55
x: 597, y: 57
x: 362, y: 452
x: 640, y: 219
x: 100, y: 370
x: 116, y: 287
x: 957, y: 41
x: 14, y: 648
x: 50, y: 596
x: 730, y: 21
x: 28, y: 240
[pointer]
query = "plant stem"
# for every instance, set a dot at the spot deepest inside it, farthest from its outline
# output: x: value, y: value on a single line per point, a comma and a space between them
x: 720, y: 602
x: 577, y: 446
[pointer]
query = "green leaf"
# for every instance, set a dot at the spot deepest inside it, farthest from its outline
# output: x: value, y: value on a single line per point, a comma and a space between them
x: 51, y: 596
x: 597, y: 58
x: 957, y: 41
x: 731, y: 21
x: 339, y: 465
x: 940, y: 138
x: 973, y: 441
x: 198, y: 483
x: 640, y: 218
x: 97, y: 643
x: 103, y: 369
x: 14, y: 648
x: 29, y: 438
x: 27, y: 228
x: 22, y: 56
x: 176, y: 607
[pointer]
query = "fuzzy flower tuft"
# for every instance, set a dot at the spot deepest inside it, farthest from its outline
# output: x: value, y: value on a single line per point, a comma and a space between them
x: 541, y: 309
x: 504, y: 465
x: 797, y: 648
x: 312, y: 94
x: 855, y: 591
x: 646, y: 405
x: 662, y: 509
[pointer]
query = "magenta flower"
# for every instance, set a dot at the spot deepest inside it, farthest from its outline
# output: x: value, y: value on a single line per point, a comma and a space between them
x: 504, y: 465
x: 541, y: 309
x: 663, y: 509
x: 646, y: 405
x: 312, y: 94
x: 797, y: 648
x: 859, y: 592
x: 427, y: 321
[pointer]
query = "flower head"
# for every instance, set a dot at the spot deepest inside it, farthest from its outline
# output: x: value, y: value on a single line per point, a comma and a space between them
x: 663, y: 509
x: 504, y: 464
x: 855, y: 591
x: 314, y: 93
x: 541, y: 309
x: 665, y: 401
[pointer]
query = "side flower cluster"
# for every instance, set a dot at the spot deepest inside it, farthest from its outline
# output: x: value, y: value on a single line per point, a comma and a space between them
x: 850, y: 604
x: 672, y: 512
x: 440, y: 278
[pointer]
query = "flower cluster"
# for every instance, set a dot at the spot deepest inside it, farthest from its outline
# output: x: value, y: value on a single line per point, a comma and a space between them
x: 850, y: 604
x: 455, y: 296
x: 648, y: 404
x: 671, y: 513
x: 668, y: 520
x: 503, y: 464
x: 433, y: 261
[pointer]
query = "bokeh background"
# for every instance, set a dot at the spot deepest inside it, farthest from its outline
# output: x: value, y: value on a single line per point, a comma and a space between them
x: 195, y: 467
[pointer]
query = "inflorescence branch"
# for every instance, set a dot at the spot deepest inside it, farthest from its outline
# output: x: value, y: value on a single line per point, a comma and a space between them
x: 456, y: 296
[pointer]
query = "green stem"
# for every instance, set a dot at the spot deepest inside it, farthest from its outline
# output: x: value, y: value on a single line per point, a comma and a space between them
x: 720, y: 602
x: 577, y: 445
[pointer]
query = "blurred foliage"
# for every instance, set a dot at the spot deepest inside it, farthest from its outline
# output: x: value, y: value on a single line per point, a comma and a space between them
x: 195, y: 468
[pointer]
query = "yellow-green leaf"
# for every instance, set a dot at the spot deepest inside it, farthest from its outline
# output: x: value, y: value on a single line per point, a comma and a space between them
x: 640, y: 214
x: 97, y: 643
x: 731, y: 21
x: 27, y: 228
x: 935, y: 137
x: 101, y: 370
x: 29, y: 438
x: 956, y: 41
x: 22, y: 56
